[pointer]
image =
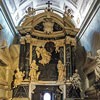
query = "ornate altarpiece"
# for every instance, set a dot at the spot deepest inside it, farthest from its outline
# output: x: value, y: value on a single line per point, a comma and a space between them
x: 47, y: 44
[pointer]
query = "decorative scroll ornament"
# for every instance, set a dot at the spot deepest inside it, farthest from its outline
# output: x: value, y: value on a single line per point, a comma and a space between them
x: 34, y: 75
x: 97, y: 69
x: 18, y: 78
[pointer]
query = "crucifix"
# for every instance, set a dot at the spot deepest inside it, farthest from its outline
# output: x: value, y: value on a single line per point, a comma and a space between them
x: 48, y: 3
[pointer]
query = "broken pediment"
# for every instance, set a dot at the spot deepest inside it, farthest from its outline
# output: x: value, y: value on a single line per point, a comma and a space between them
x: 48, y: 24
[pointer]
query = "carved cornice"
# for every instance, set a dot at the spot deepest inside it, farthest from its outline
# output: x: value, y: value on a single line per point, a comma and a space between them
x: 38, y: 43
x: 53, y: 35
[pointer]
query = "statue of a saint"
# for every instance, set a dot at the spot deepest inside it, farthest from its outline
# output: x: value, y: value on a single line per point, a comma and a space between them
x: 97, y: 69
x: 76, y: 80
x: 33, y: 71
x: 18, y: 77
x: 61, y: 71
x: 75, y: 87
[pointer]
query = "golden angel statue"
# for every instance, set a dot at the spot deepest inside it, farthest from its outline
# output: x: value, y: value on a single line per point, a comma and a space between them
x: 46, y: 56
x: 18, y: 77
x: 34, y: 75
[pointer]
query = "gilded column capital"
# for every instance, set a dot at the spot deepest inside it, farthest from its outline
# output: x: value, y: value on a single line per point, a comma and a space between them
x: 70, y: 40
x: 73, y: 42
x: 28, y: 38
x: 22, y: 40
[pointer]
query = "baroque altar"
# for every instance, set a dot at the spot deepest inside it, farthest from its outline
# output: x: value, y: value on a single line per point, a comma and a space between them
x: 47, y: 55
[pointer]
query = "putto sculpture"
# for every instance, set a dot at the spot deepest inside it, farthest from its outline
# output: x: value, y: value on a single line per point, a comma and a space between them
x: 18, y: 77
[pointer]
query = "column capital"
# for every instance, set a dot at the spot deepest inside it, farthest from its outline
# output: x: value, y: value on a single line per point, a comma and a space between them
x: 70, y: 40
x: 22, y: 40
x: 28, y: 38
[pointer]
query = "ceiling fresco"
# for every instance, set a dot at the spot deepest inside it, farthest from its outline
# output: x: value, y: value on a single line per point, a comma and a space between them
x: 79, y: 8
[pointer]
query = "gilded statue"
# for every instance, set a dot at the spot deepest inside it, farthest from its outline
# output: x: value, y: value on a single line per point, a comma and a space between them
x: 34, y: 75
x: 18, y: 77
x: 46, y: 56
x: 61, y: 71
x: 97, y: 69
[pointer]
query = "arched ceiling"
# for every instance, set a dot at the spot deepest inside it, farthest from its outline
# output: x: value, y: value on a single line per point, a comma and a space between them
x: 17, y: 8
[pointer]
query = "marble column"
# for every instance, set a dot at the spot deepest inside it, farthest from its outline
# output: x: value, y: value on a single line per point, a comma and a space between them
x: 73, y: 59
x: 70, y: 57
x: 61, y: 53
x: 27, y: 56
x: 22, y: 54
x: 73, y: 47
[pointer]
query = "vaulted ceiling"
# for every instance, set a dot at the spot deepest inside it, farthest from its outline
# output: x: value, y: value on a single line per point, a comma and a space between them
x: 79, y: 8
